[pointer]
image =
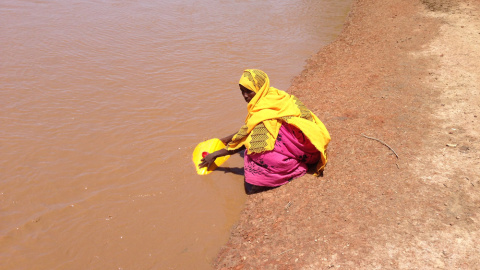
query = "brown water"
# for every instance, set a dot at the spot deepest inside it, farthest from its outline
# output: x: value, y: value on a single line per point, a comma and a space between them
x: 102, y: 103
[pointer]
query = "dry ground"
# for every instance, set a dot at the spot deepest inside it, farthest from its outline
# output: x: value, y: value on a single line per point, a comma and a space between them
x: 406, y: 72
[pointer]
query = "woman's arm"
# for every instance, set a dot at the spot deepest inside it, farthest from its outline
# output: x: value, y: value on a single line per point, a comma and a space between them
x: 209, y: 159
x: 227, y: 139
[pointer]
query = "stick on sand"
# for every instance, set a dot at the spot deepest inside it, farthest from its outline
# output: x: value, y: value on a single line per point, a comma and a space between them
x: 371, y: 138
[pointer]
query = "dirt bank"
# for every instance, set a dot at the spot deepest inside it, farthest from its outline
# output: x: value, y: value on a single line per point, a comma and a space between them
x: 405, y: 72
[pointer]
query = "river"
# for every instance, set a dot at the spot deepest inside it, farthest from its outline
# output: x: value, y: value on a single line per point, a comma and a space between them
x: 102, y: 103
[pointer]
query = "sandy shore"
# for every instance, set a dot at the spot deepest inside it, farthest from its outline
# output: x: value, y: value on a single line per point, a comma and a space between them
x: 406, y: 72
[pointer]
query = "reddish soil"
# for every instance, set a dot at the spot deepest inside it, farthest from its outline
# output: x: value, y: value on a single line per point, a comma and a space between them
x: 405, y: 72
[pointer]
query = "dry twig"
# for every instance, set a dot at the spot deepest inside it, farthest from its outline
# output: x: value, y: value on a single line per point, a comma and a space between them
x: 288, y: 205
x: 284, y: 252
x: 371, y: 138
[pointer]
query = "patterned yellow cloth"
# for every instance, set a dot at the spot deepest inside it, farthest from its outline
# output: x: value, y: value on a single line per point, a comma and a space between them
x: 266, y: 112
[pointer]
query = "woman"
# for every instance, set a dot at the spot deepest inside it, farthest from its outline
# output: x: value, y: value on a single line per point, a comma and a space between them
x: 281, y: 136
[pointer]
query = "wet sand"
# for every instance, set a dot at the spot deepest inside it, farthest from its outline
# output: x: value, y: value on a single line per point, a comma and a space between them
x: 402, y: 79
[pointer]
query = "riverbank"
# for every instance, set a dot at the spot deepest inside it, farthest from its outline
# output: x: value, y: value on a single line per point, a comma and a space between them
x: 406, y: 73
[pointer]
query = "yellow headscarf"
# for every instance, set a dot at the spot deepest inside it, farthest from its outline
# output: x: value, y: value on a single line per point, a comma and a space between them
x: 266, y: 112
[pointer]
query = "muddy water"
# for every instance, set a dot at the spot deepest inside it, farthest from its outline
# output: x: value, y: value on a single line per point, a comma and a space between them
x: 101, y: 105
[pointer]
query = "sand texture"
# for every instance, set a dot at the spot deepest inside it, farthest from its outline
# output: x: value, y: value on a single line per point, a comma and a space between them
x: 407, y: 73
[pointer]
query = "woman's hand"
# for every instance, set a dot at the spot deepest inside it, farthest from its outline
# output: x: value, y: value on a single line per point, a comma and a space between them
x: 207, y: 161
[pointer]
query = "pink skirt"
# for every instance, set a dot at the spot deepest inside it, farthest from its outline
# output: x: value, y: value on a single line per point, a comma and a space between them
x: 289, y: 159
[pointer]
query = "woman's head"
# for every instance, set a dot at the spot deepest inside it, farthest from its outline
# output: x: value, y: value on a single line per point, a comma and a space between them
x: 253, y: 83
x: 253, y: 79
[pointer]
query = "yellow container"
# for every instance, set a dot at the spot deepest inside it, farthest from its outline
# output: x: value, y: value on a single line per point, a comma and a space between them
x: 204, y: 148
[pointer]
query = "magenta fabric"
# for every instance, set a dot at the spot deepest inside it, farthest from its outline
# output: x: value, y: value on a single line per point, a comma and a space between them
x: 288, y: 160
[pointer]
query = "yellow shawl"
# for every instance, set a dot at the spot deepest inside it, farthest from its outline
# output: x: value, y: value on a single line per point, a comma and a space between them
x: 266, y: 112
